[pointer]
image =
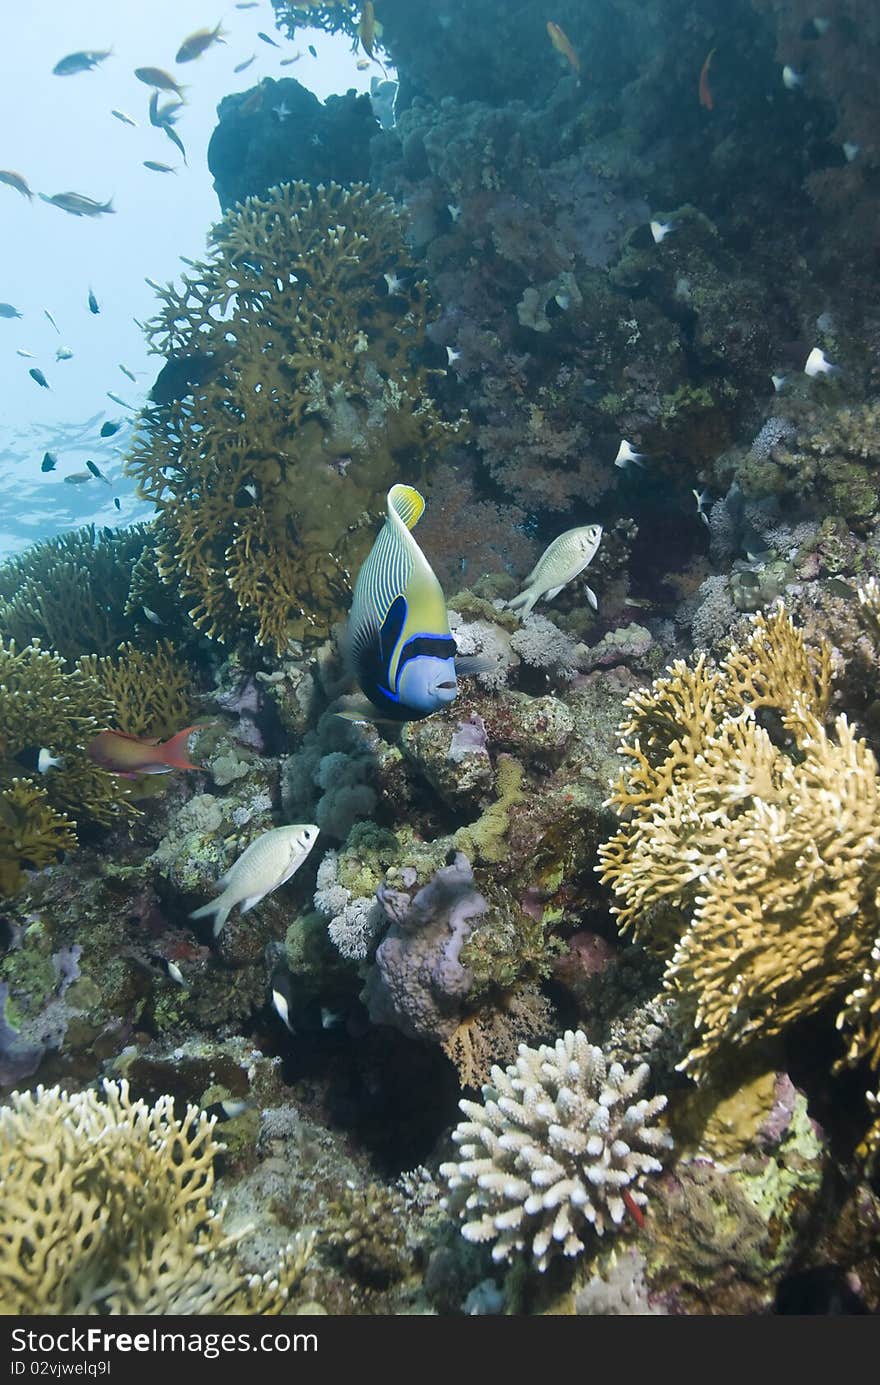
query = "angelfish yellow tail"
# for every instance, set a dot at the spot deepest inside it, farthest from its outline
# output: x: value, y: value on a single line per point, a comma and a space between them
x: 407, y: 503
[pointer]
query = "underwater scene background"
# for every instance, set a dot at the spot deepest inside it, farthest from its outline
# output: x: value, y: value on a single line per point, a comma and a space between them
x: 438, y: 711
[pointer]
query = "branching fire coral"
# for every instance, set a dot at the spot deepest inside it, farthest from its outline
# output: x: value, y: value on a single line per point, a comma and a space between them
x: 300, y: 398
x: 748, y: 856
x: 106, y: 1208
x: 150, y: 690
x: 70, y: 592
x: 41, y: 705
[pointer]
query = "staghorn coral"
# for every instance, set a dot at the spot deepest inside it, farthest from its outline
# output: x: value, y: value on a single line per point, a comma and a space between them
x: 560, y: 1144
x: 106, y: 1208
x: 70, y: 593
x: 312, y: 403
x: 42, y: 705
x: 150, y: 690
x: 751, y: 867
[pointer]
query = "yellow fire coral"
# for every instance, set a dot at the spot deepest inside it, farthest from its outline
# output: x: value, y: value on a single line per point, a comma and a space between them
x: 301, y: 398
x: 106, y: 1208
x: 70, y: 592
x: 41, y: 705
x: 749, y: 855
x: 150, y: 690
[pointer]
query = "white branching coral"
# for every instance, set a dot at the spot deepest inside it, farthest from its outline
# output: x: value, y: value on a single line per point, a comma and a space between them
x: 559, y: 1145
x: 105, y: 1208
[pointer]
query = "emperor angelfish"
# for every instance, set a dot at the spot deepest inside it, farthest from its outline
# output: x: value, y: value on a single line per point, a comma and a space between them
x: 398, y: 631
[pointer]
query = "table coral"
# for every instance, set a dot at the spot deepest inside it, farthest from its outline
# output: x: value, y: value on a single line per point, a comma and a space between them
x: 106, y: 1208
x: 313, y: 402
x: 749, y: 862
x: 560, y: 1145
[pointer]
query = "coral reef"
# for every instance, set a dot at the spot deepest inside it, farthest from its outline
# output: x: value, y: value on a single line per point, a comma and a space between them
x: 107, y: 1209
x: 253, y: 148
x: 42, y: 705
x: 745, y: 860
x: 70, y: 593
x: 560, y: 1145
x: 263, y: 459
x: 150, y: 690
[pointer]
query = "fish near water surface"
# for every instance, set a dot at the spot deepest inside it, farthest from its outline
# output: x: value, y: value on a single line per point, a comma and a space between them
x: 196, y: 44
x: 77, y: 204
x: 17, y: 181
x: 559, y: 564
x: 129, y: 756
x: 263, y: 867
x: 399, y: 640
x: 79, y: 62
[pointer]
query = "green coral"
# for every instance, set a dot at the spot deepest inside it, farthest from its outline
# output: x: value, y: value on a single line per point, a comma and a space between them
x: 269, y: 475
x: 70, y: 593
x: 832, y: 460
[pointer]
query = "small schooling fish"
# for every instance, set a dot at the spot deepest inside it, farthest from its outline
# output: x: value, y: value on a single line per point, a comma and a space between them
x: 790, y: 78
x: 817, y: 363
x: 563, y: 46
x: 197, y: 43
x: 28, y: 355
x: 558, y: 565
x: 626, y: 454
x: 157, y: 77
x: 49, y: 462
x: 111, y: 426
x: 702, y: 498
x: 79, y: 62
x: 705, y: 91
x: 267, y: 39
x: 93, y: 302
x: 130, y: 373
x: 266, y: 865
x: 7, y: 310
x: 130, y: 756
x: 77, y: 204
x: 126, y: 119
x: 122, y: 402
x: 157, y: 167
x: 240, y: 67
x: 64, y: 353
x: 97, y: 472
x: 78, y: 478
x: 398, y: 639
x: 17, y: 181
x: 661, y: 229
x: 52, y: 320
x: 36, y: 374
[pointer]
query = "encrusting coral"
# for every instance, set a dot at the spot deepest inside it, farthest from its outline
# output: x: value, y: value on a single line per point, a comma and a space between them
x: 749, y: 860
x: 293, y: 397
x: 561, y: 1144
x: 106, y: 1208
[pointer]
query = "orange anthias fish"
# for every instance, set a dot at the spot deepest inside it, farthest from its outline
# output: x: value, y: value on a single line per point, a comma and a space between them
x: 562, y: 43
x: 130, y: 756
x: 706, y: 99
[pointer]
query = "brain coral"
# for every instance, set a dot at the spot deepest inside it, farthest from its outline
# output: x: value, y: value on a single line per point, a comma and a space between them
x: 559, y: 1144
x: 299, y: 397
